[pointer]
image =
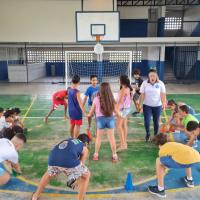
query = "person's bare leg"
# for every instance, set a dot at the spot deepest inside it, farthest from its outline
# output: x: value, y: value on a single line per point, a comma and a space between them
x: 43, y: 183
x: 111, y: 138
x: 98, y: 140
x: 121, y: 132
x: 47, y: 116
x: 72, y: 130
x: 4, y: 178
x: 125, y: 132
x: 83, y: 186
x: 160, y: 172
x: 189, y: 173
x: 76, y: 131
x: 89, y: 122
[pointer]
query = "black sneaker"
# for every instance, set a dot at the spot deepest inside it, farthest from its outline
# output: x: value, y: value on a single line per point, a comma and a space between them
x: 147, y: 138
x: 154, y: 190
x: 135, y: 113
x: 189, y: 183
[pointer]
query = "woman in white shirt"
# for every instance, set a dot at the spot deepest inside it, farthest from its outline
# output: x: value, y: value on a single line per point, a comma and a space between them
x: 153, y: 98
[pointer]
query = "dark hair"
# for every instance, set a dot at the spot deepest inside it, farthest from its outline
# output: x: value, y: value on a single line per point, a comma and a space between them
x: 136, y: 72
x: 192, y: 125
x: 7, y: 133
x: 124, y: 80
x: 84, y: 138
x: 16, y: 110
x: 1, y: 110
x: 152, y: 70
x: 8, y: 113
x: 107, y: 101
x: 184, y: 108
x: 171, y: 102
x: 75, y: 79
x: 160, y: 139
x: 93, y: 76
x: 17, y: 129
x: 21, y: 136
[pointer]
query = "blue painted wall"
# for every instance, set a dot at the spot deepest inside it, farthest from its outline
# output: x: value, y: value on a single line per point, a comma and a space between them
x: 196, y: 31
x: 161, y: 27
x: 3, y: 70
x: 59, y: 68
x: 198, y: 70
x: 81, y: 68
x: 133, y: 27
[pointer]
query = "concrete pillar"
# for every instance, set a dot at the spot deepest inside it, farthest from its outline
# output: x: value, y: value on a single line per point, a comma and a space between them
x: 161, y: 21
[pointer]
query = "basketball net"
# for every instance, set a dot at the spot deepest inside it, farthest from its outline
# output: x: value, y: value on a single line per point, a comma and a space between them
x: 98, y: 48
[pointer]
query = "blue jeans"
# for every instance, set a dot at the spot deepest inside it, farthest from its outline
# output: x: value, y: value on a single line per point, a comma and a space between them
x: 148, y: 113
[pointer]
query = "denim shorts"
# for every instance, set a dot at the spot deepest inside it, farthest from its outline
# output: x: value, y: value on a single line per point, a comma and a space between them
x: 105, y: 122
x: 170, y: 163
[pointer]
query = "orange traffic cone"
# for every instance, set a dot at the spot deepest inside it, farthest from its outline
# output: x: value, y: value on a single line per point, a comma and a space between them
x: 163, y: 129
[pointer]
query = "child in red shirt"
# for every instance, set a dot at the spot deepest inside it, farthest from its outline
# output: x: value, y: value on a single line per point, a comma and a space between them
x: 59, y: 98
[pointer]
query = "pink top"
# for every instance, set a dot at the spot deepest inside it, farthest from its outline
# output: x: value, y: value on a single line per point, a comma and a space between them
x: 126, y: 102
x: 96, y: 102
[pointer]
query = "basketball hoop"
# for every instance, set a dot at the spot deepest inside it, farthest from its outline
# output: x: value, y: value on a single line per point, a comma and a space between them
x: 98, y: 48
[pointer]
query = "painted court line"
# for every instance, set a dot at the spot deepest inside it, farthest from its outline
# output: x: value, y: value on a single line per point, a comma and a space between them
x: 29, y: 108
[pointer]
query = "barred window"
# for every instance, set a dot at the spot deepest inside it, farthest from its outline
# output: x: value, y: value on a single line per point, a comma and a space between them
x: 173, y: 23
x: 137, y: 56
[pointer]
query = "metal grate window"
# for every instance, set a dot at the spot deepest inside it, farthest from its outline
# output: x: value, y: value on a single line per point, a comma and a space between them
x: 42, y: 55
x: 173, y: 23
x: 137, y: 56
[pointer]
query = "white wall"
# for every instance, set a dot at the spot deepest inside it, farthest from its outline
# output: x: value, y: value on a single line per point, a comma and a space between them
x: 192, y: 13
x: 9, y: 54
x: 133, y: 12
x: 153, y: 53
x: 38, y: 20
x: 98, y: 5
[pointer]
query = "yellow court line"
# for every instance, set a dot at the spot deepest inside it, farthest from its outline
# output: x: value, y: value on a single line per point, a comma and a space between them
x: 29, y: 108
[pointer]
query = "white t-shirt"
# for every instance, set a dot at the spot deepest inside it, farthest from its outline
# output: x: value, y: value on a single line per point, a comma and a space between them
x: 152, y: 93
x: 3, y: 123
x: 8, y: 151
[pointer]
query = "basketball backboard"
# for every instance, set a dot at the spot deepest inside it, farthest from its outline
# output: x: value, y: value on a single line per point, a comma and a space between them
x: 91, y: 24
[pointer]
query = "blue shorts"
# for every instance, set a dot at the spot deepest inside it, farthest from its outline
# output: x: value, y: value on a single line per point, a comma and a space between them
x: 2, y: 171
x: 105, y: 122
x: 170, y: 163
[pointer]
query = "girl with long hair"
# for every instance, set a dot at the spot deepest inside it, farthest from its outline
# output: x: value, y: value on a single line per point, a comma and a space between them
x: 104, y: 106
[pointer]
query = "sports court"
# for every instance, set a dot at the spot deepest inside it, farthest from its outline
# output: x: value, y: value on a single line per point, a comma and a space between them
x: 44, y: 43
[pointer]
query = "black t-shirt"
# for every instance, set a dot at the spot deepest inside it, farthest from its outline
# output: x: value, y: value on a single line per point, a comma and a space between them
x: 138, y: 83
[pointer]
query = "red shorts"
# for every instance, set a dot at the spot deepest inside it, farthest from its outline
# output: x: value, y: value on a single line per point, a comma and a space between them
x: 76, y: 122
x: 56, y: 103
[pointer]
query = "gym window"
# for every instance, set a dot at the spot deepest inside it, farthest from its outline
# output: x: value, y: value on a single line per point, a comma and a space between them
x: 137, y: 56
x: 173, y: 23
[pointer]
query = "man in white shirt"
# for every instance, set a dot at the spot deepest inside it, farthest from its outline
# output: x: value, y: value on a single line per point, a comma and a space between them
x: 9, y: 154
x: 6, y: 120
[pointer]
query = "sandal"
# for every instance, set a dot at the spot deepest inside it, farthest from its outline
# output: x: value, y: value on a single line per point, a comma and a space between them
x: 95, y: 157
x: 32, y: 196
